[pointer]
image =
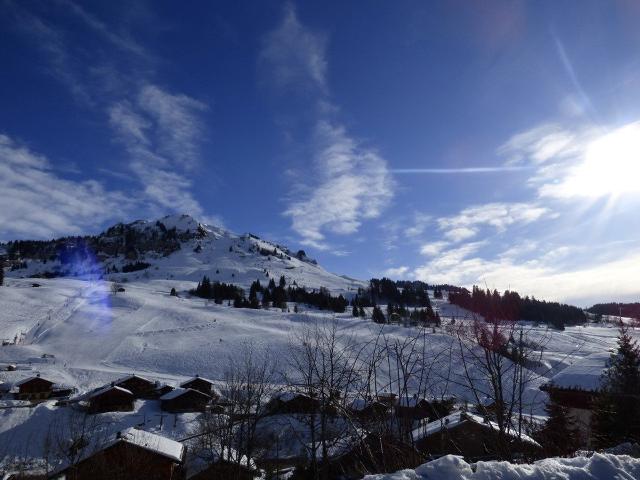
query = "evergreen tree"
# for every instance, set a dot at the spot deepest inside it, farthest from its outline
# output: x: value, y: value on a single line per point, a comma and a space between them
x: 1, y: 271
x: 377, y: 316
x: 361, y: 312
x: 559, y: 435
x: 354, y: 311
x: 616, y: 416
x: 282, y: 282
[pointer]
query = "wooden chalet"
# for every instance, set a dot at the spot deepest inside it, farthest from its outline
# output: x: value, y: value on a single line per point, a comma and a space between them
x: 110, y: 399
x: 132, y: 454
x: 184, y: 400
x: 221, y: 464
x: 140, y: 387
x: 577, y: 388
x: 353, y: 458
x: 413, y: 408
x: 34, y: 388
x: 368, y: 410
x: 203, y: 385
x: 472, y: 437
x: 388, y: 398
x: 292, y: 402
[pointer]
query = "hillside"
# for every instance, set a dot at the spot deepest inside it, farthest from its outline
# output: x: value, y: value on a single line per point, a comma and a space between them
x: 176, y: 248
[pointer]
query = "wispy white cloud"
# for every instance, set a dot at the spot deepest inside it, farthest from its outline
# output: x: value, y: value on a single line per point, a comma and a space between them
x: 37, y: 202
x: 466, y: 224
x: 433, y: 248
x: 162, y: 134
x: 579, y: 162
x: 499, y: 169
x: 397, y: 272
x: 161, y: 131
x: 353, y: 185
x: 543, y: 277
x: 294, y: 55
x: 351, y: 182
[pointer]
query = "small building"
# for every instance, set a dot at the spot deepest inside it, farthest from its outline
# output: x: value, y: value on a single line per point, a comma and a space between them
x: 292, y: 402
x: 221, y: 463
x: 162, y: 389
x: 388, y: 398
x: 110, y: 399
x: 203, y: 385
x: 131, y: 454
x: 367, y: 410
x: 352, y: 458
x: 184, y: 400
x: 413, y: 407
x: 577, y: 388
x: 34, y: 388
x: 471, y: 436
x: 140, y: 387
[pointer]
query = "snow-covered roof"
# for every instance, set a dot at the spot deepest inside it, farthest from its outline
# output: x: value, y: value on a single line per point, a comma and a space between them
x: 412, y: 401
x: 358, y: 404
x: 197, y: 377
x: 458, y: 418
x: 105, y: 389
x: 129, y: 377
x: 204, y: 459
x: 584, y: 374
x: 28, y: 379
x: 287, y: 396
x: 155, y: 443
x: 178, y: 392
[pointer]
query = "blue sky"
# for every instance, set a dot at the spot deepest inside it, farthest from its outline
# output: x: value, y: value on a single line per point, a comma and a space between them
x: 492, y: 142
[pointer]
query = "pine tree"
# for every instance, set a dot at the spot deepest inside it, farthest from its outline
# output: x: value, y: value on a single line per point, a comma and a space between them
x: 354, y: 311
x: 377, y: 316
x: 559, y: 435
x: 282, y: 282
x: 616, y: 416
x: 1, y: 271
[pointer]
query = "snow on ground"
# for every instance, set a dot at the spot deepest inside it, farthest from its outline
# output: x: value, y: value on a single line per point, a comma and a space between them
x: 451, y: 467
x: 91, y: 337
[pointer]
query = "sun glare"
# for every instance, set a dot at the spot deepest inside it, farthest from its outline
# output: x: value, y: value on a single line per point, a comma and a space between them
x: 611, y: 166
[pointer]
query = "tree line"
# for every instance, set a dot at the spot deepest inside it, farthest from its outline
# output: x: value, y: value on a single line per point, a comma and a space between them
x: 511, y: 306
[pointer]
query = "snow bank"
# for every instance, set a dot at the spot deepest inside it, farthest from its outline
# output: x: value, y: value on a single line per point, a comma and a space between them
x: 451, y: 467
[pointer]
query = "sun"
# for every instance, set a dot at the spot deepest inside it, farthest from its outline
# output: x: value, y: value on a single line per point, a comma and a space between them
x: 610, y: 166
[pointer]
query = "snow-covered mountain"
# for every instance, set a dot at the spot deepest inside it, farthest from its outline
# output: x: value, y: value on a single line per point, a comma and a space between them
x: 176, y: 248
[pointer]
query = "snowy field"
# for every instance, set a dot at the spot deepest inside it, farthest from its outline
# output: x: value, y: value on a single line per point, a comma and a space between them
x: 92, y: 337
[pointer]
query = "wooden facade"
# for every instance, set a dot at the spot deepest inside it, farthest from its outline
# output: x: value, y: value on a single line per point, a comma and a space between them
x: 289, y: 403
x: 111, y: 399
x: 223, y: 470
x: 34, y: 388
x: 474, y: 441
x: 124, y: 461
x: 202, y: 385
x: 184, y: 400
x: 374, y: 454
x: 139, y: 386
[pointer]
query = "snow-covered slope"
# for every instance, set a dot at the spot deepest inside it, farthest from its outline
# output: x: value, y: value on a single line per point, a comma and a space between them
x: 179, y: 249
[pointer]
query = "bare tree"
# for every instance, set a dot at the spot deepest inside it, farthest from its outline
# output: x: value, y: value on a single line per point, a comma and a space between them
x: 248, y: 383
x: 323, y: 363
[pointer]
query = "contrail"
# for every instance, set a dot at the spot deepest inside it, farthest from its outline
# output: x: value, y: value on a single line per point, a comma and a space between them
x: 461, y: 170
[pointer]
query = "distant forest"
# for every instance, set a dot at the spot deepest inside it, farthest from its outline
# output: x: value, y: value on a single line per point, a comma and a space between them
x: 616, y: 309
x: 511, y: 306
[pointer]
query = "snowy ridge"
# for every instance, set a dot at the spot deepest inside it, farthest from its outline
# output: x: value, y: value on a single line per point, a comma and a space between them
x: 179, y: 248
